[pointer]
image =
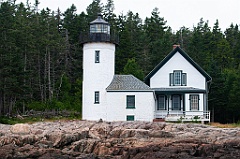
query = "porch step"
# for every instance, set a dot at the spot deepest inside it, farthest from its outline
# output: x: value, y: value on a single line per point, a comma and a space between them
x: 159, y: 120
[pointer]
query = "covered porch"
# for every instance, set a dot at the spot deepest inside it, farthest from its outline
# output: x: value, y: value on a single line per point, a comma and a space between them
x: 181, y: 104
x: 183, y: 116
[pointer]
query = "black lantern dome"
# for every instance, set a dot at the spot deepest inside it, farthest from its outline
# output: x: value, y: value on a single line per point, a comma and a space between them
x: 99, y: 32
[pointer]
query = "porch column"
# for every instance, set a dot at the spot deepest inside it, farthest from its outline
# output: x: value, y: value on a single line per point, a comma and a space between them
x: 168, y: 103
x: 183, y: 104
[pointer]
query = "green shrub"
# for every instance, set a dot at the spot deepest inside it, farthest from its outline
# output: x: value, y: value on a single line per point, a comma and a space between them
x: 35, y: 105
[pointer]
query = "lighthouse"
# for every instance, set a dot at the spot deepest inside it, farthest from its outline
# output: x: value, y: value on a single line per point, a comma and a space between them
x: 98, y: 68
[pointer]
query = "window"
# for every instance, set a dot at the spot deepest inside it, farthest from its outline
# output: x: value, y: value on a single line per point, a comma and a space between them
x: 99, y: 28
x: 176, y: 102
x: 177, y: 78
x: 130, y: 101
x: 96, y: 97
x: 130, y: 117
x: 161, y: 102
x: 92, y: 29
x: 194, y: 102
x: 97, y: 56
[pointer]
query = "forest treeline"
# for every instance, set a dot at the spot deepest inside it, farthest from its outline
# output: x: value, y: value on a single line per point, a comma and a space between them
x: 41, y: 58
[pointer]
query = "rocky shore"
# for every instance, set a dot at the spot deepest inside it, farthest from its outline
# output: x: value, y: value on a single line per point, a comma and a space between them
x: 117, y: 140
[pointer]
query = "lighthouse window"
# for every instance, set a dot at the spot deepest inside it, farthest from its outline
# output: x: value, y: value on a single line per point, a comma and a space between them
x: 96, y: 98
x: 105, y: 28
x: 97, y: 56
x: 92, y: 29
x: 99, y: 28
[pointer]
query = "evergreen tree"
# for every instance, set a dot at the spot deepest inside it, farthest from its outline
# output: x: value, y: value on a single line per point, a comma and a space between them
x: 109, y: 15
x: 11, y: 66
x: 183, y: 38
x: 70, y: 24
x: 157, y: 38
x: 129, y: 37
x: 233, y: 38
x: 41, y: 59
x: 200, y: 44
x: 232, y: 109
x: 133, y: 68
x: 94, y: 9
x: 220, y: 47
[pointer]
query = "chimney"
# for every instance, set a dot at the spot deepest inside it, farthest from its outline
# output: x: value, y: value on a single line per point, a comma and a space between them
x: 175, y: 45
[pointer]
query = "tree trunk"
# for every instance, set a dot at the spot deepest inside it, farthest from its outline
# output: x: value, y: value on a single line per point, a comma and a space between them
x: 45, y: 78
x: 39, y: 79
x: 1, y: 102
x: 49, y: 74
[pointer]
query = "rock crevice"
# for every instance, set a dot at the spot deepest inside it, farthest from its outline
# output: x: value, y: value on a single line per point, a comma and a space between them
x: 86, y: 139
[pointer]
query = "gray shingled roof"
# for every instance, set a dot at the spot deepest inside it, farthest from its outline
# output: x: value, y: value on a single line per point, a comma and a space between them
x: 127, y: 83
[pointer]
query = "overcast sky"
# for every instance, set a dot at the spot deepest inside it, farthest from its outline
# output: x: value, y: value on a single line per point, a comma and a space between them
x: 177, y: 13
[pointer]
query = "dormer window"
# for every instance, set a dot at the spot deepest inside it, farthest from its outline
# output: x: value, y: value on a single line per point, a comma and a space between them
x: 178, y: 78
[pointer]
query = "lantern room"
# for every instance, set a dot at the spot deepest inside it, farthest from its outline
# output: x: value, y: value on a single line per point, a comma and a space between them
x: 99, y: 26
x: 99, y: 30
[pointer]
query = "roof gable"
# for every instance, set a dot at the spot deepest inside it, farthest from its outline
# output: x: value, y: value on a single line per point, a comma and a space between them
x: 169, y: 56
x: 127, y: 83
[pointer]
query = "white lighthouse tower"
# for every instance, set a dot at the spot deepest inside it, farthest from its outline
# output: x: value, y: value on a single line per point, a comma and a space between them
x: 98, y: 68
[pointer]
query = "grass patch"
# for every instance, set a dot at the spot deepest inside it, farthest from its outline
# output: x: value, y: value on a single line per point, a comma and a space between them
x: 12, y: 121
x: 219, y: 125
x: 31, y: 120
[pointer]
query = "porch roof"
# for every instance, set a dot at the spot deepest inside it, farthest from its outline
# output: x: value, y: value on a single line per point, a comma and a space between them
x: 178, y: 90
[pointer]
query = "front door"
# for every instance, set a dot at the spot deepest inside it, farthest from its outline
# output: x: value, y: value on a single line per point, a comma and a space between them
x: 176, y: 102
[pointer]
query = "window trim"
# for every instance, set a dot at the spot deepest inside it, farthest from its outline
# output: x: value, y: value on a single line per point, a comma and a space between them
x: 191, y: 99
x: 97, y: 56
x: 96, y: 97
x: 128, y: 102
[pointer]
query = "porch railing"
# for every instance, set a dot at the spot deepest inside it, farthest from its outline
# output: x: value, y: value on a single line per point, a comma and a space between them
x: 183, y: 115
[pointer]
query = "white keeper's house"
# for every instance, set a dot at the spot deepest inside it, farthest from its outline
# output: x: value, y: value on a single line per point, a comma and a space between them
x: 175, y: 90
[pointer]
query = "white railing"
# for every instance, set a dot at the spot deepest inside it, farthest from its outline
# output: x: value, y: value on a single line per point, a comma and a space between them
x: 183, y: 115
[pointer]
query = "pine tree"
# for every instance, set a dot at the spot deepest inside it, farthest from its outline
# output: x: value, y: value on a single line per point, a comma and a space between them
x: 94, y: 9
x: 129, y: 37
x: 157, y: 38
x: 233, y: 37
x: 133, y: 68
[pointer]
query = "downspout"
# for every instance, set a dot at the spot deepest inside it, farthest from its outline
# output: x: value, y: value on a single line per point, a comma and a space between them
x: 154, y: 94
x: 208, y: 88
x: 155, y: 98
